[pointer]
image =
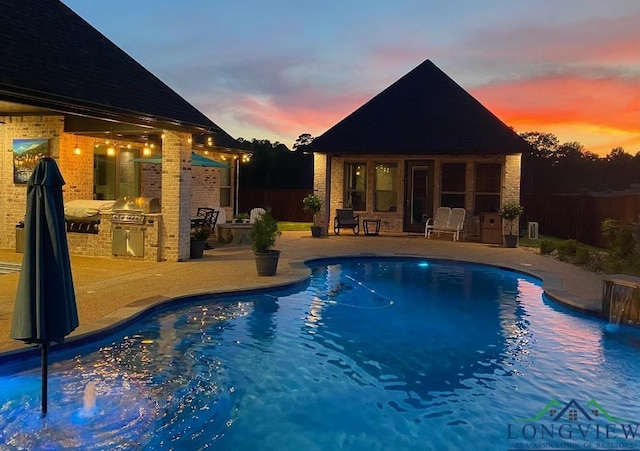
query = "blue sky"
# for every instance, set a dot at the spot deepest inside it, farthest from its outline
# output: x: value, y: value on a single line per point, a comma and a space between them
x: 277, y: 69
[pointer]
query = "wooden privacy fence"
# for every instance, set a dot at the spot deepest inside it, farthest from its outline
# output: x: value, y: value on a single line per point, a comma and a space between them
x: 563, y: 216
x: 285, y: 204
x: 579, y: 217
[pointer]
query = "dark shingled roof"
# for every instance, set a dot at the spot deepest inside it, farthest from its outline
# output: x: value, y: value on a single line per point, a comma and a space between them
x: 425, y: 112
x: 54, y: 59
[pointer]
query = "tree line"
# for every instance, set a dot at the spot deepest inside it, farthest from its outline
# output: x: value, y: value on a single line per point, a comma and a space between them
x: 549, y: 168
x: 568, y: 168
x: 275, y: 166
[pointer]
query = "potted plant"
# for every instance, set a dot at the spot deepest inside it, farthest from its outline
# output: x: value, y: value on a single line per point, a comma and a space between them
x: 509, y: 213
x: 313, y: 204
x: 241, y: 218
x: 199, y: 236
x: 263, y: 236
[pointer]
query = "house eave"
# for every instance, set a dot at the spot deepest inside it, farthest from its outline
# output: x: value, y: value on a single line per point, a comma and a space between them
x: 101, y: 112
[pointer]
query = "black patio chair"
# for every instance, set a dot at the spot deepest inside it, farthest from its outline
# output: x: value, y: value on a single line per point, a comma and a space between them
x: 210, y: 218
x: 345, y: 219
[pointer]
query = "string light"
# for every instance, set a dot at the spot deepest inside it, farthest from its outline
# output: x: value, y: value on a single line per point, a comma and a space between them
x: 111, y: 150
x: 76, y: 150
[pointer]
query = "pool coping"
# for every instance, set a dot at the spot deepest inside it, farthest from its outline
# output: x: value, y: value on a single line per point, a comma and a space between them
x: 552, y: 286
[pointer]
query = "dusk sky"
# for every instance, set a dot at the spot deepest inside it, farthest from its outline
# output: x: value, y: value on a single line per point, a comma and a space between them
x: 279, y: 68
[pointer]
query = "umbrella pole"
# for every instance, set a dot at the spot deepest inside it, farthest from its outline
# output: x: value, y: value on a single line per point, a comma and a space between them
x: 44, y: 359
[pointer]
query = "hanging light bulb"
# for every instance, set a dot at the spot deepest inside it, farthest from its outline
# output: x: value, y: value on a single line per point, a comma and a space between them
x: 146, y: 151
x: 111, y: 151
x: 76, y: 150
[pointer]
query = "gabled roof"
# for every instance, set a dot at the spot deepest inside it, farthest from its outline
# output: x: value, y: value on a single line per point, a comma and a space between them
x: 52, y: 58
x: 425, y: 112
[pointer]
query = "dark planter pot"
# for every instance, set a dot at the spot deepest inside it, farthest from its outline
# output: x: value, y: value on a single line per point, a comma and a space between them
x: 267, y: 262
x: 510, y: 240
x: 197, y: 248
x: 316, y: 231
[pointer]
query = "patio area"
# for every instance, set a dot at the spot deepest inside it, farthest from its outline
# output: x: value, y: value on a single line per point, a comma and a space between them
x: 109, y: 290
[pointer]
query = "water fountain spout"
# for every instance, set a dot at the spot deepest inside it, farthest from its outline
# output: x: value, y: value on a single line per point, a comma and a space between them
x: 89, y: 400
x: 621, y: 300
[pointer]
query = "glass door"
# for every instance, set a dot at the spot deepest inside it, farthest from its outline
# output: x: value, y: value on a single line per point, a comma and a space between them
x: 419, y: 195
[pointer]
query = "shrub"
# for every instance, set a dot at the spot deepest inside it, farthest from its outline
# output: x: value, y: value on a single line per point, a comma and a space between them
x: 264, y: 232
x: 510, y: 212
x: 597, y: 262
x: 313, y: 204
x: 582, y: 256
x: 567, y: 250
x: 200, y: 232
x: 620, y: 239
x: 623, y: 243
x: 547, y: 247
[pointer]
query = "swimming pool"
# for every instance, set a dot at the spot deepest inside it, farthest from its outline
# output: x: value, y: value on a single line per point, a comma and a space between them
x: 373, y: 354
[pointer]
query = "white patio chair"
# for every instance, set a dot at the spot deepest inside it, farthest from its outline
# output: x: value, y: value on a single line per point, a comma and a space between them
x: 222, y: 215
x: 455, y: 224
x: 255, y: 214
x: 439, y: 221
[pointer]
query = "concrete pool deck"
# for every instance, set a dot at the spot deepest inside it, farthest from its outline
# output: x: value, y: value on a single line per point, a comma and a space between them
x: 110, y: 290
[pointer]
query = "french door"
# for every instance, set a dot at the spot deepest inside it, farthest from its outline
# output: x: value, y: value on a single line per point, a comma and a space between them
x: 418, y: 194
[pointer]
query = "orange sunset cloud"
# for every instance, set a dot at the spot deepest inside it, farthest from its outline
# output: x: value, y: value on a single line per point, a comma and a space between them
x: 601, y: 113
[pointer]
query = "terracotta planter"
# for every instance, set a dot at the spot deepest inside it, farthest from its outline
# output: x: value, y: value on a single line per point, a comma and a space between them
x: 267, y: 262
x: 197, y: 248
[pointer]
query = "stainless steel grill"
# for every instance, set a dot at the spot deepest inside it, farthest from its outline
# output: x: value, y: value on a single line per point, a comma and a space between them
x: 132, y: 210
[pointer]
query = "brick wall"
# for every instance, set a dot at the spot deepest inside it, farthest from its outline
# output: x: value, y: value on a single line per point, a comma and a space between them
x: 321, y: 178
x: 176, y: 197
x: 151, y: 180
x: 13, y: 196
x: 511, y: 181
x: 393, y: 222
x: 205, y: 188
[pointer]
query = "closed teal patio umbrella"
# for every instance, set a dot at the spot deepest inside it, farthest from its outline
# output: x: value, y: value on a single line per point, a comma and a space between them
x: 196, y: 160
x: 45, y: 309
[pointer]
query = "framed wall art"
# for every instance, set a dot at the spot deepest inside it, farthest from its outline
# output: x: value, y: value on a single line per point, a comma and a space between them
x: 26, y: 153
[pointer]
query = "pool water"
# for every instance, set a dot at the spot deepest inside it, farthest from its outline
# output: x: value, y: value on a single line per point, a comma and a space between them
x: 374, y: 354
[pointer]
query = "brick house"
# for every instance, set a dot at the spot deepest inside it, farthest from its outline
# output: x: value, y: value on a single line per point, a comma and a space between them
x: 69, y: 90
x: 422, y: 143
